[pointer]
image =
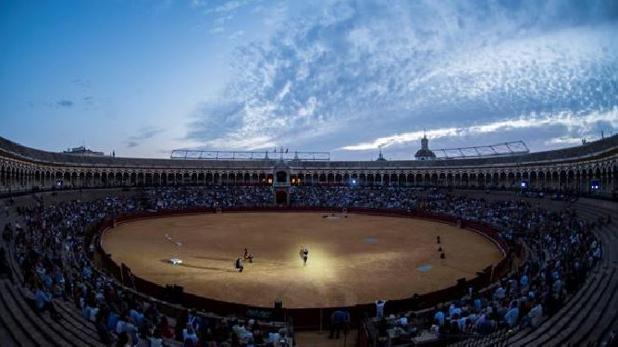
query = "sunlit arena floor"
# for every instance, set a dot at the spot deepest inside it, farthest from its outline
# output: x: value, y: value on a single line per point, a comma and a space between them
x: 354, y: 259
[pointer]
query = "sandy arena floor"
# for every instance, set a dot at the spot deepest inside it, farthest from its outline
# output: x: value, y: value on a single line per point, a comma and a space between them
x: 351, y: 260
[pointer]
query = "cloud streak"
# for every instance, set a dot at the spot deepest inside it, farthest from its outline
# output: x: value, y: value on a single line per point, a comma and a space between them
x: 579, y: 124
x: 143, y: 134
x: 65, y: 103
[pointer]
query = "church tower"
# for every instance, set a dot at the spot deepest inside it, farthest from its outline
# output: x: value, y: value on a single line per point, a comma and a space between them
x: 425, y: 153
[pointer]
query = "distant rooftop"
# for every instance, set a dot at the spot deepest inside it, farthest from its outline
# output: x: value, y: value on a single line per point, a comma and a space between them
x: 83, y: 151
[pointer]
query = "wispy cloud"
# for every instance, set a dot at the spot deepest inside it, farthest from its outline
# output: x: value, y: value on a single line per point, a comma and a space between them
x: 580, y: 124
x: 198, y: 3
x: 65, y: 103
x: 143, y: 134
x: 221, y: 13
x: 229, y: 6
x: 564, y: 140
x: 217, y: 29
x: 82, y: 84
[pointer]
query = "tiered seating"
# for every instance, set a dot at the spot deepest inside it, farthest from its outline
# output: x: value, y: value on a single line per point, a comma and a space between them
x: 11, y: 326
x: 41, y: 327
x: 584, y: 313
x: 25, y: 327
x: 592, y: 312
x: 589, y: 316
x: 604, y: 315
x: 22, y: 325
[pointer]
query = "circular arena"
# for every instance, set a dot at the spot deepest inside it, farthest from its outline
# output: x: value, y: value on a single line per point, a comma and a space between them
x: 526, y: 254
x: 354, y: 258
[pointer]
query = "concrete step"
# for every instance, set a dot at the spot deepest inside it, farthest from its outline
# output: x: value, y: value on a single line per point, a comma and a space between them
x: 25, y: 330
x: 570, y: 309
x: 11, y: 334
x: 562, y: 335
x: 56, y: 335
x: 601, y: 318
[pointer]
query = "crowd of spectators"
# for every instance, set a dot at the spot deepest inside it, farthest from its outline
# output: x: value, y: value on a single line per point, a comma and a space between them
x: 222, y: 197
x: 54, y: 259
x: 561, y: 251
x: 355, y: 196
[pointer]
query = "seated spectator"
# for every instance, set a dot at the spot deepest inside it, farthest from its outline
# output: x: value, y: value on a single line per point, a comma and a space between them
x: 156, y: 340
x: 534, y: 317
x: 439, y: 318
x: 165, y: 329
x: 123, y: 340
x: 242, y: 333
x: 188, y: 334
x: 512, y: 315
x: 43, y: 302
x: 104, y: 335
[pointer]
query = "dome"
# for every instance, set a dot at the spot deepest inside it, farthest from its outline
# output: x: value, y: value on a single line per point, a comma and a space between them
x: 424, y: 153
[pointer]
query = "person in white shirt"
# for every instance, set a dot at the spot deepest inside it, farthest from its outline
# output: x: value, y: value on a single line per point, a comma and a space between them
x: 304, y: 254
x: 380, y: 309
x: 155, y: 340
x: 242, y: 332
x: 535, y: 315
x: 189, y: 334
x: 273, y: 337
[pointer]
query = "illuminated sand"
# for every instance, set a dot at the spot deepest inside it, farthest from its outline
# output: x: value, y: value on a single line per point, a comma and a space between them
x: 351, y: 260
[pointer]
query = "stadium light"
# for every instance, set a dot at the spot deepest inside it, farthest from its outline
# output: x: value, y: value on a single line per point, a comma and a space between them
x: 595, y: 185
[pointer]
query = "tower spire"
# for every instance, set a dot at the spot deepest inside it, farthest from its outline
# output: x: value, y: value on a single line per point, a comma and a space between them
x: 424, y: 143
x: 380, y: 156
x: 424, y: 153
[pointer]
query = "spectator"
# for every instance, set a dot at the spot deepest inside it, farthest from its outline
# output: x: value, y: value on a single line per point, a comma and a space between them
x: 535, y: 316
x: 512, y: 315
x: 338, y: 321
x: 188, y: 334
x: 380, y: 308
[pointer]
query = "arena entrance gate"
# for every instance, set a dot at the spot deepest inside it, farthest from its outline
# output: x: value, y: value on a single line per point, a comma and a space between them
x: 281, y: 197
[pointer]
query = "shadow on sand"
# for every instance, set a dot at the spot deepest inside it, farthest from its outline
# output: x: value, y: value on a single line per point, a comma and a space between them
x: 214, y: 258
x: 211, y: 268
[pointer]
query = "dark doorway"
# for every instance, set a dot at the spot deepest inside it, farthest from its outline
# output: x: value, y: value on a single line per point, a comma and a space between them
x: 282, y: 197
x: 282, y: 177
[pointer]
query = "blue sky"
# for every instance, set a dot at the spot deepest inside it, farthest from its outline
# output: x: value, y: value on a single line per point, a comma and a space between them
x: 145, y: 77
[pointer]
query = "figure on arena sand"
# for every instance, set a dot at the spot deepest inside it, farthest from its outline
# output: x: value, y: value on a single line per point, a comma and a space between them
x: 248, y: 256
x: 304, y: 254
x: 238, y: 265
